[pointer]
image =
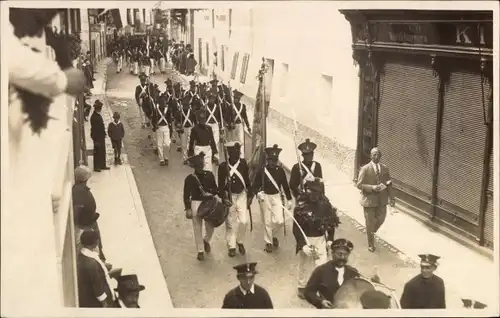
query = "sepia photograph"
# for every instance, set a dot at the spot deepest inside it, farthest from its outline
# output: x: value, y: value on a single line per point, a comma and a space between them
x: 253, y: 158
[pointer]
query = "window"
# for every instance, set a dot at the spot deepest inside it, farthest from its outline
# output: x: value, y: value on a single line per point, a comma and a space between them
x: 244, y: 68
x: 284, y: 80
x: 235, y: 65
x: 208, y: 53
x: 222, y: 57
x: 200, y: 53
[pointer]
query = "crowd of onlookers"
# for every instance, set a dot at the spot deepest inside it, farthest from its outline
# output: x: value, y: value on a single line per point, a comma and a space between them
x: 36, y: 79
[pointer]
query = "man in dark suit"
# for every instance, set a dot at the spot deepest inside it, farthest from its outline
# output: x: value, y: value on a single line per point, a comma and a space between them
x: 326, y: 279
x: 247, y: 295
x: 375, y: 184
x: 98, y: 135
x: 426, y: 290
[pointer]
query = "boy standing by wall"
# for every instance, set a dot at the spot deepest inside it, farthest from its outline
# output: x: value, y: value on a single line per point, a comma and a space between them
x: 116, y: 132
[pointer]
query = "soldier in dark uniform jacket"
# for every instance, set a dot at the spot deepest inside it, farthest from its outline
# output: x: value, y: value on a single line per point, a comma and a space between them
x: 202, y: 139
x: 238, y: 117
x: 236, y: 221
x: 142, y: 92
x: 426, y: 290
x: 267, y: 187
x: 193, y: 196
x: 186, y: 120
x: 162, y: 120
x: 214, y: 118
x: 247, y: 295
x: 326, y: 279
x: 318, y: 220
x: 308, y: 170
x: 98, y: 135
x: 127, y: 292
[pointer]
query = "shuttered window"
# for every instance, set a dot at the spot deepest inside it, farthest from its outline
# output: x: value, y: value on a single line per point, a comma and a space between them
x: 463, y: 138
x: 407, y: 126
x: 489, y: 219
x: 244, y: 68
x: 235, y: 65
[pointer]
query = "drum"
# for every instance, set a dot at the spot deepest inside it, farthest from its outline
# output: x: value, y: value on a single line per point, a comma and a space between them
x: 349, y: 294
x: 213, y: 211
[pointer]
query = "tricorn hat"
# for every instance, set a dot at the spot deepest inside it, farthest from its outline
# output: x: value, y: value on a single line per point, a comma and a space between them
x: 374, y: 299
x: 273, y: 152
x: 307, y: 146
x: 428, y: 260
x: 343, y: 243
x: 246, y: 269
x: 128, y: 283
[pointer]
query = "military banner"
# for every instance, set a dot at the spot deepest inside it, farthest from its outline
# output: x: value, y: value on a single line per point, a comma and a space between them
x: 259, y: 121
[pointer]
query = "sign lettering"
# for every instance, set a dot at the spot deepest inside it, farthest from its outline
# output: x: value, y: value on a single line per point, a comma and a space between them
x: 463, y: 32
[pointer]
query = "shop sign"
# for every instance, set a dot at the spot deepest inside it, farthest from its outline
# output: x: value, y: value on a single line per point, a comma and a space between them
x: 441, y: 33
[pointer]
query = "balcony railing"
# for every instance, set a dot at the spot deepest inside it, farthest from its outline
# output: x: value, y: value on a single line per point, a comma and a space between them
x: 38, y: 244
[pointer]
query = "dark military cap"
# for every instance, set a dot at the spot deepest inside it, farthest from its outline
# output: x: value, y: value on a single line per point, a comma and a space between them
x: 237, y: 94
x: 428, y: 260
x: 343, y: 243
x: 374, y: 299
x: 273, y: 152
x: 247, y: 269
x: 142, y: 75
x: 307, y: 146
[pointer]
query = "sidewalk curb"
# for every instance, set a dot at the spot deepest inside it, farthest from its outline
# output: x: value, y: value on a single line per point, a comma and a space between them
x: 134, y: 191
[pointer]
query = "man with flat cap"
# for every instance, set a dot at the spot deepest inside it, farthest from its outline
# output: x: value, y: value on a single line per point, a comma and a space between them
x: 247, y: 295
x: 98, y: 135
x: 426, y: 290
x: 238, y: 117
x: 127, y: 292
x: 318, y: 219
x: 326, y: 279
x: 202, y: 140
x: 308, y: 169
x: 375, y: 299
x: 234, y: 182
x: 198, y: 187
x: 94, y: 282
x: 267, y: 186
x: 375, y: 185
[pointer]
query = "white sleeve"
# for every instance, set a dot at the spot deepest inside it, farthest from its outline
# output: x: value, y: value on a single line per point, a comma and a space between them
x: 33, y: 71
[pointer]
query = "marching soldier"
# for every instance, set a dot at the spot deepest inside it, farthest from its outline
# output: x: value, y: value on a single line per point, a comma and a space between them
x: 247, y: 295
x: 185, y: 122
x: 426, y: 290
x: 234, y: 182
x: 239, y: 116
x: 318, y: 220
x: 162, y: 119
x: 214, y: 118
x: 326, y: 279
x: 267, y: 187
x: 127, y: 292
x: 308, y: 170
x: 194, y: 98
x: 143, y: 92
x: 202, y: 140
x: 198, y: 187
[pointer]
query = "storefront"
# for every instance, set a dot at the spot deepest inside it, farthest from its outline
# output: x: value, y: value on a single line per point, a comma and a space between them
x: 426, y: 101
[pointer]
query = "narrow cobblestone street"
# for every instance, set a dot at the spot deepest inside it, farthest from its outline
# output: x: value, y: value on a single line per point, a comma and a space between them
x: 203, y: 284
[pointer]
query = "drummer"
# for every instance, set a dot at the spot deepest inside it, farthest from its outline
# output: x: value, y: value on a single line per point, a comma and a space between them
x: 193, y: 196
x: 327, y: 278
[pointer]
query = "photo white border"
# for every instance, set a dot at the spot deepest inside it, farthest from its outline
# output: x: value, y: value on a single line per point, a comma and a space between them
x: 492, y: 310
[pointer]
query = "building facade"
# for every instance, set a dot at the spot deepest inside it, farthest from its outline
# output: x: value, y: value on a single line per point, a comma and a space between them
x: 314, y: 78
x: 426, y: 100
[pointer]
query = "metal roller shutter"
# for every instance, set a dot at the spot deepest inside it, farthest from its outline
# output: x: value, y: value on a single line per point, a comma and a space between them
x: 463, y: 138
x: 407, y: 125
x: 488, y: 219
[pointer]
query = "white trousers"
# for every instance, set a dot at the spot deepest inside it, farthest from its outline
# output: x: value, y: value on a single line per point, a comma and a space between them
x: 185, y: 142
x: 237, y: 220
x: 207, y: 164
x: 146, y: 69
x: 153, y: 65
x: 238, y: 134
x: 307, y: 263
x: 216, y: 131
x: 163, y: 142
x: 197, y: 228
x: 119, y: 65
x: 272, y: 215
x: 163, y: 65
x: 142, y: 115
x: 135, y: 68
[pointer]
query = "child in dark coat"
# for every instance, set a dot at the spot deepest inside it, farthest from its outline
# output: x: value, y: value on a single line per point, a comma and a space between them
x: 116, y: 132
